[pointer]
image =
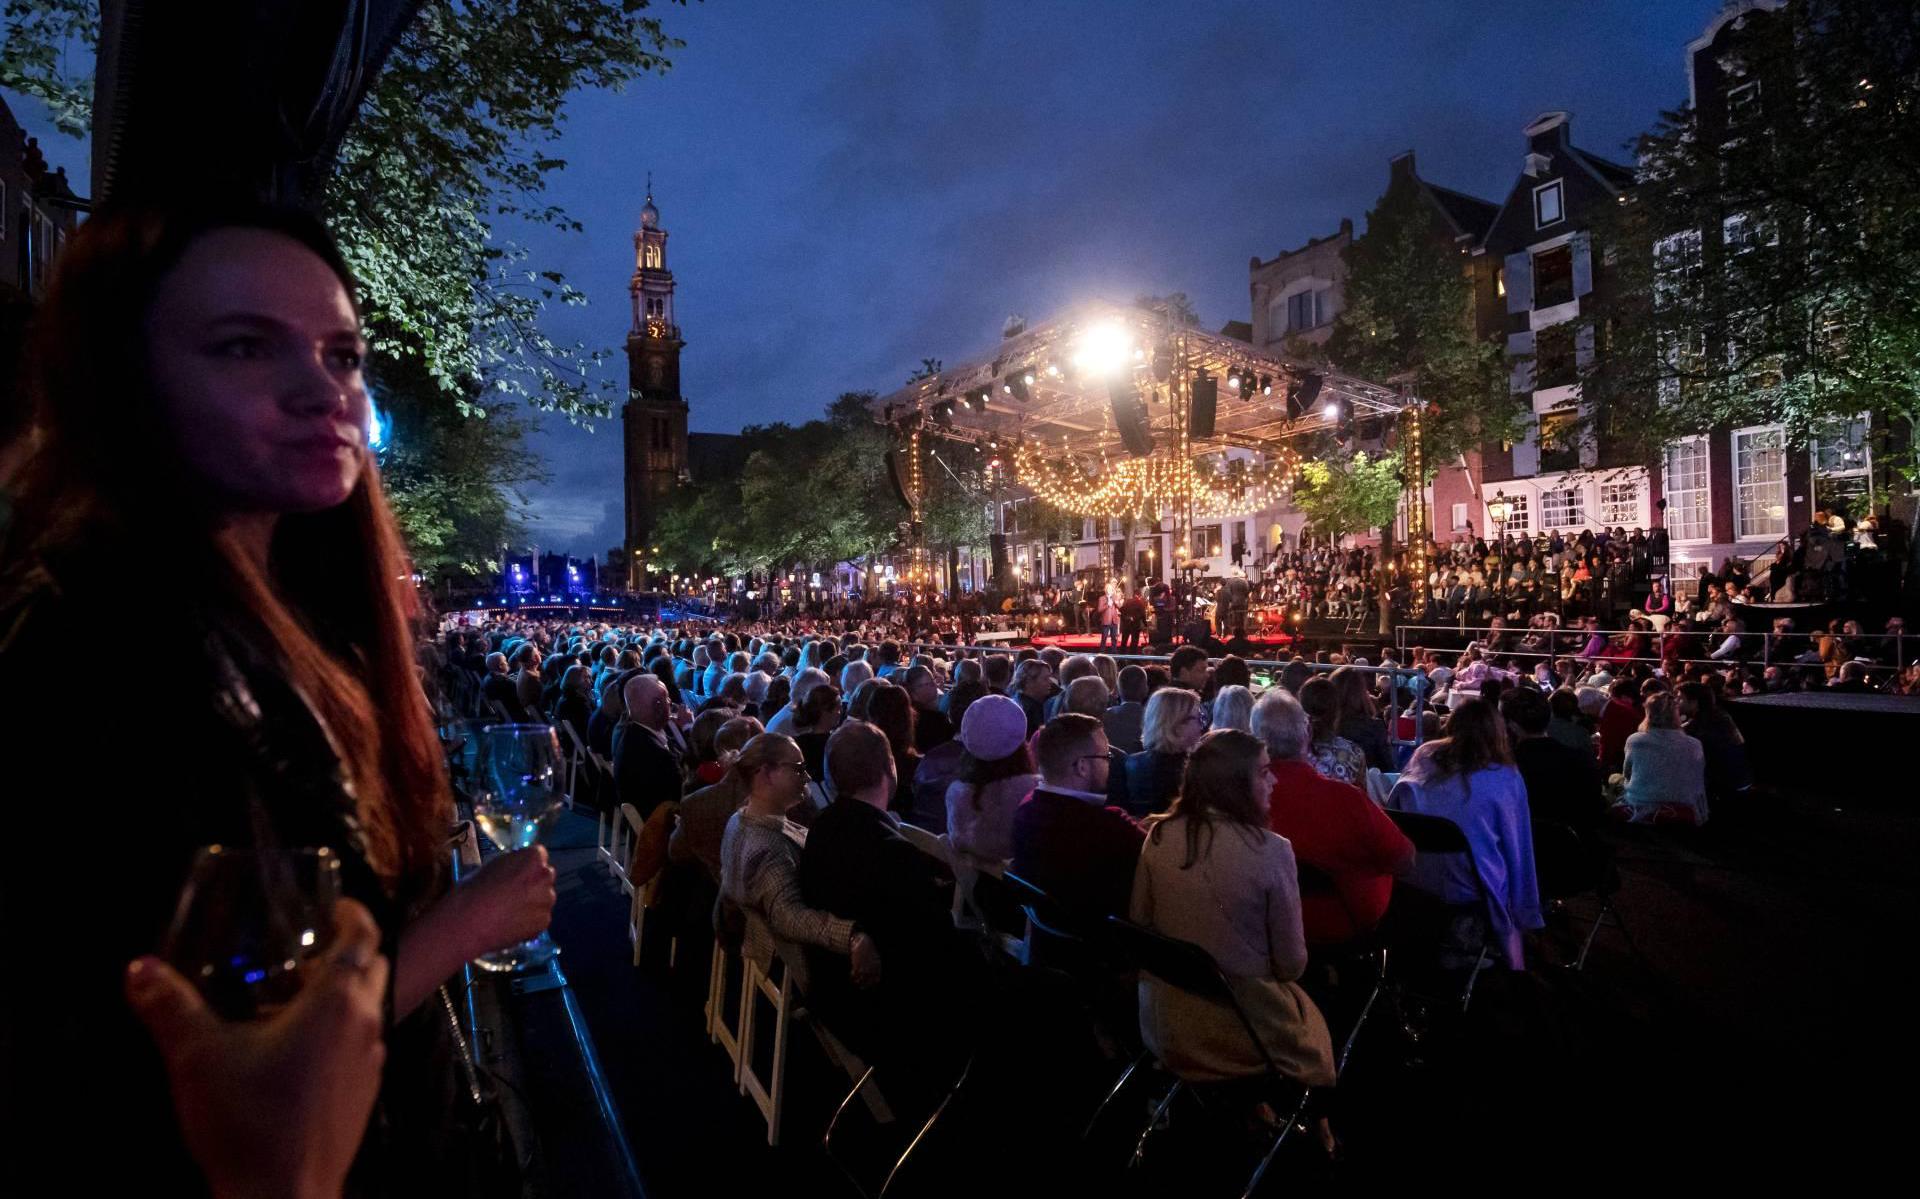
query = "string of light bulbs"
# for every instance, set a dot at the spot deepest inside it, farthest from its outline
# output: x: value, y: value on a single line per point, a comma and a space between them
x: 1144, y: 486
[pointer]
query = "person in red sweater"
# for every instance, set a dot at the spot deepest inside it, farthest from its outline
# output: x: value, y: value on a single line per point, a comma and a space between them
x: 1619, y: 720
x: 1332, y: 826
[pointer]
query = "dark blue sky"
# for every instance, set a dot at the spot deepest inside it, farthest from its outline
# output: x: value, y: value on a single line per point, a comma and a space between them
x: 849, y: 187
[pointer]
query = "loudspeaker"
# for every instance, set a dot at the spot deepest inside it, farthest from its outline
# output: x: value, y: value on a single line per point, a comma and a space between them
x: 1300, y: 398
x: 1130, y: 417
x: 897, y: 475
x: 1206, y: 404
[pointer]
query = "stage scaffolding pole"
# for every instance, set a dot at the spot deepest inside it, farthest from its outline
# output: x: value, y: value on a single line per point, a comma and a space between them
x: 1414, y: 464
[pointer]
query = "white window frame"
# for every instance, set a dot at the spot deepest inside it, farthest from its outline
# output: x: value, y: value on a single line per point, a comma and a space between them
x: 1704, y: 490
x: 1559, y: 195
x: 1519, y: 515
x: 1748, y: 105
x: 1572, y: 502
x: 1746, y: 489
x: 1620, y: 503
x: 1460, y: 517
x: 1863, y: 465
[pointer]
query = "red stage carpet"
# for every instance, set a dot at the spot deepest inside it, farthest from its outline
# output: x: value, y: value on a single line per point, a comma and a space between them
x: 1090, y: 642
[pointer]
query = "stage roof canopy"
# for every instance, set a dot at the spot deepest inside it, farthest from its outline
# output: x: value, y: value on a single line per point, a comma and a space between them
x: 1056, y: 384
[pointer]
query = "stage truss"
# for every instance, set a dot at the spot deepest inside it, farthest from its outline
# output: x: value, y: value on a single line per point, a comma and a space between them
x: 1044, y: 404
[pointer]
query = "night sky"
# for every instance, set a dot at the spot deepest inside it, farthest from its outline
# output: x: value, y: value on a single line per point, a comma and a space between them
x: 850, y: 187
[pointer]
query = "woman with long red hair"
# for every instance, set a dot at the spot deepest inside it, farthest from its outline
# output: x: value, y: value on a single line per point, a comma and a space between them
x: 197, y: 498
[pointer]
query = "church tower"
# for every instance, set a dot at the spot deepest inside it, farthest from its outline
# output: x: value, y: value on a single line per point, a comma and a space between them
x: 655, y: 415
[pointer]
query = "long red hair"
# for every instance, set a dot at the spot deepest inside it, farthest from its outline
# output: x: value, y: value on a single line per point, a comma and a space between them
x: 336, y: 604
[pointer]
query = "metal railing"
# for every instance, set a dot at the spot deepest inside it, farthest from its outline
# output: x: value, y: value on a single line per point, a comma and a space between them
x: 1409, y: 678
x: 1755, y: 647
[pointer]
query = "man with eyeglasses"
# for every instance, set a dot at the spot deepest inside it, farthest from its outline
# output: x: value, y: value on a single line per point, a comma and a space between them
x: 1066, y: 839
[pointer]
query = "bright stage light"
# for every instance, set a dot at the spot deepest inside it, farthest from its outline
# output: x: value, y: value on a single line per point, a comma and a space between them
x: 1332, y: 410
x: 1103, y: 350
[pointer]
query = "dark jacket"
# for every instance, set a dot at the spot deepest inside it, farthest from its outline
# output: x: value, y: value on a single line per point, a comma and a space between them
x: 645, y: 772
x: 1148, y: 783
x: 1081, y: 853
x: 261, y: 772
x: 931, y: 727
x: 858, y: 866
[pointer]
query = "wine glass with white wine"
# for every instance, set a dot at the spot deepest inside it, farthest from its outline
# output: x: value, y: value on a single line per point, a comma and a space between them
x: 516, y: 798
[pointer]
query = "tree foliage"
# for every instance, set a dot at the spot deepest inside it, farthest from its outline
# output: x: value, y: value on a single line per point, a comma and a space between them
x: 1770, y: 271
x: 814, y: 493
x: 1349, y: 495
x: 448, y: 158
x: 1409, y: 316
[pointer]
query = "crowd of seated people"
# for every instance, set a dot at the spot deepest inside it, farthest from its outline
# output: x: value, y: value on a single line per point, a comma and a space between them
x: 1025, y: 763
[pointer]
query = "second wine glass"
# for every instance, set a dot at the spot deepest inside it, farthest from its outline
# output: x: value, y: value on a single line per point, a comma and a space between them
x: 516, y: 798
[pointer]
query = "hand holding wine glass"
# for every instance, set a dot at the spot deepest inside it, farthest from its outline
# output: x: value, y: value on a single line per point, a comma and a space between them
x: 516, y: 797
x: 275, y: 1105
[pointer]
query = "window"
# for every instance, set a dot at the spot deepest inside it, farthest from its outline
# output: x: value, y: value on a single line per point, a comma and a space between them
x: 1677, y: 267
x: 1559, y: 444
x: 1459, y: 517
x: 1309, y: 309
x: 1840, y: 448
x: 1553, y: 357
x: 1546, y: 205
x: 1684, y: 577
x: 1553, y: 277
x: 1517, y: 517
x: 1563, y: 509
x: 1206, y: 541
x: 1759, y: 483
x: 1620, y: 505
x: 1689, y: 513
x: 1743, y: 103
x: 1737, y: 233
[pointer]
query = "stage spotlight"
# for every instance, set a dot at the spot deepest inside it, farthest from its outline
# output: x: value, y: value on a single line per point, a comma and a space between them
x: 1019, y: 386
x: 1266, y: 385
x: 943, y: 412
x: 1233, y: 378
x: 1301, y: 394
x: 1332, y: 410
x: 1103, y: 350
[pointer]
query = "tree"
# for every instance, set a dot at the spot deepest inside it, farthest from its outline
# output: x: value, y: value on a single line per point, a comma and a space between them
x: 1350, y: 495
x: 815, y: 493
x: 1409, y: 316
x: 1769, y: 271
x: 447, y: 153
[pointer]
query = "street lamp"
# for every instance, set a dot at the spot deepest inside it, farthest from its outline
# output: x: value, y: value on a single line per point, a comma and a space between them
x: 1501, y: 510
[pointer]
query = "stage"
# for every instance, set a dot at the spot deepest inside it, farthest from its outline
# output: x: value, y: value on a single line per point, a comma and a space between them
x: 1089, y: 643
x: 1808, y: 739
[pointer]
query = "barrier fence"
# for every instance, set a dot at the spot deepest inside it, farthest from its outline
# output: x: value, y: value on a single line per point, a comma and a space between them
x: 1754, y: 648
x: 1412, y: 681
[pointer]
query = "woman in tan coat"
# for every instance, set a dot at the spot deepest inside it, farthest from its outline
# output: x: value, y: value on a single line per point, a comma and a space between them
x: 1213, y: 874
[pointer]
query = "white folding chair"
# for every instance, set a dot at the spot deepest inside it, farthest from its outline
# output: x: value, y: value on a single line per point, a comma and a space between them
x: 724, y: 959
x: 579, y: 759
x: 768, y: 1095
x: 626, y: 829
x: 608, y: 816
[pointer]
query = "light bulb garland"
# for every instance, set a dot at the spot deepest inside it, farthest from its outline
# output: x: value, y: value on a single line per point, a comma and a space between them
x: 1144, y: 486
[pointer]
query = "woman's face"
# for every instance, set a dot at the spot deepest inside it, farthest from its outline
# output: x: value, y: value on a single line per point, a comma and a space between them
x: 255, y: 352
x: 1192, y: 727
x: 1262, y: 784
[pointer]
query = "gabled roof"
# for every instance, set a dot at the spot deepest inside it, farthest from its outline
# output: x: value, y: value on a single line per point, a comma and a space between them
x: 1610, y: 172
x: 1238, y: 330
x: 1471, y: 215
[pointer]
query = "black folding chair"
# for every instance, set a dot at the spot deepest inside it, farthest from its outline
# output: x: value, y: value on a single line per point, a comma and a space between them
x: 1438, y: 835
x: 1187, y: 967
x: 1570, y: 865
x: 1369, y: 948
